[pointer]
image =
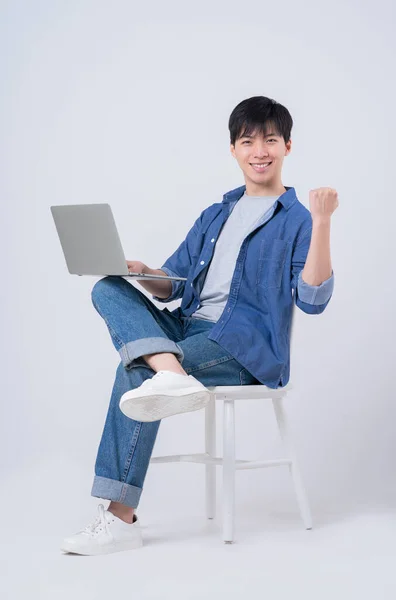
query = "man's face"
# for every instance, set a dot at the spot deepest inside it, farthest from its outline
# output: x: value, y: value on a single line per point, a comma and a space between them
x: 254, y: 151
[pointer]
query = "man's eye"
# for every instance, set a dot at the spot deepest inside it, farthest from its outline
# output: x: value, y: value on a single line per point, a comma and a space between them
x: 246, y: 142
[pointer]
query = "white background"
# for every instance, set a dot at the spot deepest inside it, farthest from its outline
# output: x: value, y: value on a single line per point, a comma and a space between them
x: 128, y: 103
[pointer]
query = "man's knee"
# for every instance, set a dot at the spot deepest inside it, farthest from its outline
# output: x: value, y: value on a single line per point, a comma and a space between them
x: 110, y: 286
x: 105, y: 286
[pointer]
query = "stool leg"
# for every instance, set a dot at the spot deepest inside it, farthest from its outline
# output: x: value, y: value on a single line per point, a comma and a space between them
x: 284, y: 431
x: 210, y: 449
x: 228, y: 471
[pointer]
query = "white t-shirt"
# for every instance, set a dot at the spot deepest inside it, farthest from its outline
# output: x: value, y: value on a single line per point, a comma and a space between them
x: 214, y: 294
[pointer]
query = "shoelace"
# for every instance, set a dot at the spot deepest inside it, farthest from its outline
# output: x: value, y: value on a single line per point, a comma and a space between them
x: 99, y: 523
x: 158, y: 375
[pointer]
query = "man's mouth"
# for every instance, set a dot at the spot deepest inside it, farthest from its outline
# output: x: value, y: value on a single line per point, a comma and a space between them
x: 260, y: 167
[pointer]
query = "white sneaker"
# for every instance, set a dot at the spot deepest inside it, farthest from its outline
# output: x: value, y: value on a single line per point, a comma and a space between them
x: 107, y: 533
x: 164, y: 395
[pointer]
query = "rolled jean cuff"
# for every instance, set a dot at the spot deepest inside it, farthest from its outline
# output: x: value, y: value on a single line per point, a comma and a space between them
x: 132, y: 350
x: 117, y: 491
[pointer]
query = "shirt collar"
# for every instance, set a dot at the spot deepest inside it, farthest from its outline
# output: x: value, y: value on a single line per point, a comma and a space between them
x: 287, y: 199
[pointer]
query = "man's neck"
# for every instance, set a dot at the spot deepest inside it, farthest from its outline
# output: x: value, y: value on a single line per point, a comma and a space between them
x: 257, y: 190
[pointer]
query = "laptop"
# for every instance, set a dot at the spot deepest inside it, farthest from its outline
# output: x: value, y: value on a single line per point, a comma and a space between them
x: 90, y: 241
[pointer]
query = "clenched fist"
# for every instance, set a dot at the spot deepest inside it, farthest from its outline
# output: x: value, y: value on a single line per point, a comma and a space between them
x: 322, y: 203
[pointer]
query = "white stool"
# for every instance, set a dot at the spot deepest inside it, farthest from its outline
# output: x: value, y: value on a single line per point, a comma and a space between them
x: 229, y: 463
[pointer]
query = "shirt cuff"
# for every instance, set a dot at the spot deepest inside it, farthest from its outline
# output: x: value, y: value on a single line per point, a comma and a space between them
x: 315, y: 294
x: 176, y: 285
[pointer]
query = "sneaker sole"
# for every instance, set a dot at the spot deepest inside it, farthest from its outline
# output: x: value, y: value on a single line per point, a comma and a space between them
x: 105, y: 549
x: 160, y: 406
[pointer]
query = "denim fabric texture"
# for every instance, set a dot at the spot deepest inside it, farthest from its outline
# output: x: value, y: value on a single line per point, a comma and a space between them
x: 255, y: 324
x: 248, y: 345
x: 138, y: 327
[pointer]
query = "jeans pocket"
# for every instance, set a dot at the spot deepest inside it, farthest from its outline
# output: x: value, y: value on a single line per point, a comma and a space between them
x: 272, y: 257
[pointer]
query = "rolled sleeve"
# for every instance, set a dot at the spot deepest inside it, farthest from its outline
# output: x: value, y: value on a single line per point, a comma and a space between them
x: 177, y: 286
x: 315, y: 294
x: 311, y: 299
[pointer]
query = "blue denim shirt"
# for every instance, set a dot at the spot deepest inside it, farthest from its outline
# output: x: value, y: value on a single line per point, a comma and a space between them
x: 255, y: 324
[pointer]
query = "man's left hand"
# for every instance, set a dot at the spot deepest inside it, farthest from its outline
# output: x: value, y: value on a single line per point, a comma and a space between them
x: 322, y: 203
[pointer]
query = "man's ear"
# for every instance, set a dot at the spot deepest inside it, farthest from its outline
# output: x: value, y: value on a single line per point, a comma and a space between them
x: 232, y: 148
x: 288, y: 147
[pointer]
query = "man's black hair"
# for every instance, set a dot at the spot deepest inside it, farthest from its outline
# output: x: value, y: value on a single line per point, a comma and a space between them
x: 258, y: 114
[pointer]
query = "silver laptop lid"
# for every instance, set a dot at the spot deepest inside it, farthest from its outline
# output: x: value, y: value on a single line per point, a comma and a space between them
x: 89, y: 239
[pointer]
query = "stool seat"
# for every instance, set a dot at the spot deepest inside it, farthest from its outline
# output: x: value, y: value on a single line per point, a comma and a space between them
x: 248, y: 392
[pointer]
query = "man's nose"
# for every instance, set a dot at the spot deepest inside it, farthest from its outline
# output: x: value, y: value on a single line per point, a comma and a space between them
x: 260, y: 151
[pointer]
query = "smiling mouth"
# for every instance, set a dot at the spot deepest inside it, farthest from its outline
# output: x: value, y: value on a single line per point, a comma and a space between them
x: 260, y: 167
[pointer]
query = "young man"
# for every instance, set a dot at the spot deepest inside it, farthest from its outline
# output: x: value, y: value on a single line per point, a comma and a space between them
x: 243, y: 259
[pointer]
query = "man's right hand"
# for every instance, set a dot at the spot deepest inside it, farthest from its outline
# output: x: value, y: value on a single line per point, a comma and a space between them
x: 135, y: 266
x: 156, y: 287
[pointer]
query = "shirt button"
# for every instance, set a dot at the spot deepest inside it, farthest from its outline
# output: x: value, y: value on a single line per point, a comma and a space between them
x: 191, y: 284
x: 202, y: 262
x: 197, y: 305
x: 212, y: 240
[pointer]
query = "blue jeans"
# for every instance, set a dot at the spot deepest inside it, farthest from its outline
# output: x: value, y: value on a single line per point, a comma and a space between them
x: 138, y: 327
